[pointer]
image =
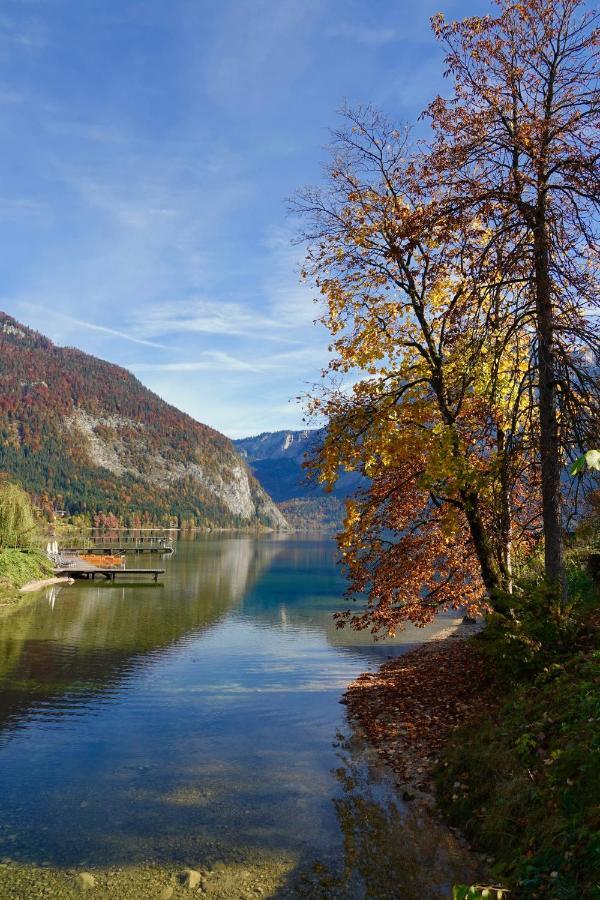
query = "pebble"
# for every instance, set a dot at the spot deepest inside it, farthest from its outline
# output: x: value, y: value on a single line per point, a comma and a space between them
x: 85, y: 881
x: 190, y: 879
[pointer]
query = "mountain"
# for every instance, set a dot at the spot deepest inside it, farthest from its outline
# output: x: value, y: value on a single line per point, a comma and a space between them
x: 87, y: 435
x: 276, y: 459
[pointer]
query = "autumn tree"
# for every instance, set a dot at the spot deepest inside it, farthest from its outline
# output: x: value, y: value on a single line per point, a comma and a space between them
x: 517, y: 144
x: 439, y: 415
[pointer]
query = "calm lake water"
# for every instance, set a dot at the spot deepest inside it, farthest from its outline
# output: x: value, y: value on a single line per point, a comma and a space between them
x: 194, y: 719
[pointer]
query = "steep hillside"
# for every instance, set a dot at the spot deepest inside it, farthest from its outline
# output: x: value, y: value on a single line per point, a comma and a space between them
x: 276, y: 459
x: 89, y: 436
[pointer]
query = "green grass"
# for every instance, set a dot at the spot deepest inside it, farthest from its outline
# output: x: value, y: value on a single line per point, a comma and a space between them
x: 524, y: 785
x: 523, y: 782
x: 17, y: 567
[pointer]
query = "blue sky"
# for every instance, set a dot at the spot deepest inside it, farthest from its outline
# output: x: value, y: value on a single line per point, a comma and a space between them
x: 148, y: 150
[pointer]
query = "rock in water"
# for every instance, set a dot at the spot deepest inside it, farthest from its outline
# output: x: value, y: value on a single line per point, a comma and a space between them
x: 85, y: 881
x: 190, y: 878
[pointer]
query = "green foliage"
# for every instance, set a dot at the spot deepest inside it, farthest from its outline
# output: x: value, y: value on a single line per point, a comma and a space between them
x: 589, y: 460
x: 17, y: 522
x: 524, y: 783
x: 18, y: 567
x: 533, y: 627
x: 315, y: 513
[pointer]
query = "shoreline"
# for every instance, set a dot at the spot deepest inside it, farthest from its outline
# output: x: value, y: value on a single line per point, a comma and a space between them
x: 41, y: 583
x: 408, y: 707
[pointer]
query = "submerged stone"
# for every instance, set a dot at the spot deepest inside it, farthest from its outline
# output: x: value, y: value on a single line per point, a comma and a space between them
x: 190, y: 878
x: 85, y: 881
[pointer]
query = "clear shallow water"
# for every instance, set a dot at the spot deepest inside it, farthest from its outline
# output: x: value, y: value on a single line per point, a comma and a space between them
x: 195, y: 718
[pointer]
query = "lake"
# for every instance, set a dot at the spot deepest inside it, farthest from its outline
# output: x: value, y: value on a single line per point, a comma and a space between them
x: 196, y: 722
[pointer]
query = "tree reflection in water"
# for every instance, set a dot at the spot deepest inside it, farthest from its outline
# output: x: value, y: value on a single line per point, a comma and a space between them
x: 391, y: 850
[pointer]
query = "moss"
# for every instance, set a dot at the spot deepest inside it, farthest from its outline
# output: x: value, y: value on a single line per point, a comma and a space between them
x: 17, y: 567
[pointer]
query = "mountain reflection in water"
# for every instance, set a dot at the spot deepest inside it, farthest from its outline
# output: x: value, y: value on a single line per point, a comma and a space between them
x: 187, y: 721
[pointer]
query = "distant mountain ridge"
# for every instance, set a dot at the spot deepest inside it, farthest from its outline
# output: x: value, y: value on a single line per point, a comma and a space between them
x: 279, y: 444
x: 86, y: 434
x: 276, y: 459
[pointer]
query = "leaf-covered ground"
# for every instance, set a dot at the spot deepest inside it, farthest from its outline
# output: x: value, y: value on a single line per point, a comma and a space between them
x: 410, y: 706
x: 515, y: 769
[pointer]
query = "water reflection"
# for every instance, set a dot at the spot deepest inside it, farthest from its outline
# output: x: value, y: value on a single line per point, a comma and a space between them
x: 85, y: 638
x: 391, y: 850
x: 290, y: 602
x: 187, y: 722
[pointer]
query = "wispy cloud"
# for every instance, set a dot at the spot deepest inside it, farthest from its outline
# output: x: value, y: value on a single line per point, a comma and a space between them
x: 142, y: 219
x: 216, y: 317
x: 289, y: 298
x: 255, y: 40
x: 27, y: 34
x: 19, y: 207
x: 211, y: 360
x: 92, y: 326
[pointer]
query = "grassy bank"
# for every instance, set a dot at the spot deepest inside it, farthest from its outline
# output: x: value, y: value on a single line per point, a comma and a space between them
x: 523, y: 781
x: 17, y: 567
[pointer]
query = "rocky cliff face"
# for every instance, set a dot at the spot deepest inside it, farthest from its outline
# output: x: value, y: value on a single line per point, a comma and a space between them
x: 89, y: 436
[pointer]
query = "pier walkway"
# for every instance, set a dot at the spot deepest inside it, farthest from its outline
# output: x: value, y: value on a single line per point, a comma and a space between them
x: 118, y: 549
x: 79, y: 568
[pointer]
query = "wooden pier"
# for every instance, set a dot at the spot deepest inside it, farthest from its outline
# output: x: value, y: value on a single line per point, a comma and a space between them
x: 116, y: 550
x: 86, y: 570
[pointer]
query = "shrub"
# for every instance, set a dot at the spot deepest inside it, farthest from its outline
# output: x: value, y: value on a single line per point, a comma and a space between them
x: 18, y: 567
x: 17, y: 521
x: 533, y: 627
x: 524, y: 783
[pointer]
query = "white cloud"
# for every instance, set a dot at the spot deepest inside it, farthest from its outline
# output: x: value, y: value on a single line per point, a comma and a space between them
x: 29, y: 35
x: 258, y: 47
x: 205, y: 316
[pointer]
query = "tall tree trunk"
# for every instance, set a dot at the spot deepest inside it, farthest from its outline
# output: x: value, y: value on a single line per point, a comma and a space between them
x: 549, y: 436
x: 506, y: 519
x: 490, y: 572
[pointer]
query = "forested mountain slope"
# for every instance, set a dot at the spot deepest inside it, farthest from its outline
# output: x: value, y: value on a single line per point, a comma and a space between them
x: 87, y: 435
